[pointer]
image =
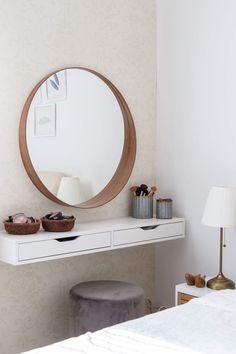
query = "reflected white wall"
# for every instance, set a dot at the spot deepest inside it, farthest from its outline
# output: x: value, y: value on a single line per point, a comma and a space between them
x: 89, y: 133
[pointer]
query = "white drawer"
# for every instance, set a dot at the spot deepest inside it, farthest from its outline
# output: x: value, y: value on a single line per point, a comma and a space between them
x: 148, y: 233
x: 47, y: 248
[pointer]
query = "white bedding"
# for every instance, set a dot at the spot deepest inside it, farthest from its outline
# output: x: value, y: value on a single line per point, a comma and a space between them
x: 205, y: 325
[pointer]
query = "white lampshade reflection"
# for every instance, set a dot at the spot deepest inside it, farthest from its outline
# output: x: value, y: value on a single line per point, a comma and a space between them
x: 220, y: 209
x: 69, y: 191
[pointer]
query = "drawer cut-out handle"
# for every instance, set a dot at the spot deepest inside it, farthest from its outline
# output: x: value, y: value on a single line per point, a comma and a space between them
x: 65, y: 239
x: 152, y: 227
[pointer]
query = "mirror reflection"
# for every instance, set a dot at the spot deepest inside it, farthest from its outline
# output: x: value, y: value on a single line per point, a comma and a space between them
x: 75, y: 134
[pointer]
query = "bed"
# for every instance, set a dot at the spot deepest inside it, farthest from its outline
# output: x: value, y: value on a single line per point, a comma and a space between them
x: 203, y: 325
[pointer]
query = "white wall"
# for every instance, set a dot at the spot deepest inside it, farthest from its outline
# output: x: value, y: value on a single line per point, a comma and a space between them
x: 196, y: 130
x: 117, y: 39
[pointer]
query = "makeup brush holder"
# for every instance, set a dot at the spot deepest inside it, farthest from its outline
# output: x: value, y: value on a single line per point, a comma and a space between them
x: 142, y: 207
x: 164, y: 209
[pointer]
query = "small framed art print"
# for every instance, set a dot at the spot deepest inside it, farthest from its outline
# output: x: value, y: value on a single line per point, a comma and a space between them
x: 45, y: 121
x: 57, y: 87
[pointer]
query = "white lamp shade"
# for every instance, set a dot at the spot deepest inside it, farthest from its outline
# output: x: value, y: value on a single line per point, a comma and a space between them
x: 69, y: 190
x: 220, y: 209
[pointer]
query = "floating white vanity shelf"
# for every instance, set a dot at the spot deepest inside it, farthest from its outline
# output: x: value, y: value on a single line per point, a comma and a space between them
x: 87, y: 238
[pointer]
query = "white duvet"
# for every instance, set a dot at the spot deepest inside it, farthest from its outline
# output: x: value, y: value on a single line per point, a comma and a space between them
x: 204, y: 325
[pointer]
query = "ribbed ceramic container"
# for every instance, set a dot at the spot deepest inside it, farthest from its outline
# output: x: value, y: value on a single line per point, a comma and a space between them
x: 142, y: 207
x: 164, y: 208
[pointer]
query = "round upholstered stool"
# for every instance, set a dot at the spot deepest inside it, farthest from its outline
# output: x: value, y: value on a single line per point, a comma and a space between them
x: 99, y: 304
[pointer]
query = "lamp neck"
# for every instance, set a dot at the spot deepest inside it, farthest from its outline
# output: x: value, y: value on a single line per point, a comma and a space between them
x: 221, y: 249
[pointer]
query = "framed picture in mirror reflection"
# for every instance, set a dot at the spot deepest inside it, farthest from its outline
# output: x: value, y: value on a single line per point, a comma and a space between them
x: 45, y: 121
x: 57, y: 87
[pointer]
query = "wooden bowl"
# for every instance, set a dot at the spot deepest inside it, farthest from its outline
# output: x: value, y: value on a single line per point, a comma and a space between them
x: 22, y: 228
x: 58, y: 225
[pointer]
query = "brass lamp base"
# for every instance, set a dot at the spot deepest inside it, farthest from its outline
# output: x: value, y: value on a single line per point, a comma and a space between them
x: 220, y: 283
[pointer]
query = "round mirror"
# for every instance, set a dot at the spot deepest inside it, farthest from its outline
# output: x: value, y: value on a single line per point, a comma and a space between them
x: 77, y: 138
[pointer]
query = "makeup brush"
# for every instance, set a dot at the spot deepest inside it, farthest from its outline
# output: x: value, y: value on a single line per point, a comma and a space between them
x: 138, y: 191
x: 152, y: 191
x: 133, y: 189
x: 144, y: 189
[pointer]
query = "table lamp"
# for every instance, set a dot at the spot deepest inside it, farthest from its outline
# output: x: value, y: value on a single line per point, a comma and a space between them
x: 69, y: 190
x: 220, y: 211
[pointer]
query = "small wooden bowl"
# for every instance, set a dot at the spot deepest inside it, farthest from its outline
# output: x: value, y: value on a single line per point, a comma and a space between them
x: 22, y: 228
x: 58, y: 225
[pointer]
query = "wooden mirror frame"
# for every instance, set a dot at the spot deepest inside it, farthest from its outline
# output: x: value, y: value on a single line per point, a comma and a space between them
x: 124, y: 169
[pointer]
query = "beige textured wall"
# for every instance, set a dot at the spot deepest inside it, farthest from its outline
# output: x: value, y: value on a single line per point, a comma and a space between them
x: 116, y: 38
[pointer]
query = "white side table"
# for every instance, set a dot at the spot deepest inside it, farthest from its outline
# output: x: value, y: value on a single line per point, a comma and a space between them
x: 184, y: 292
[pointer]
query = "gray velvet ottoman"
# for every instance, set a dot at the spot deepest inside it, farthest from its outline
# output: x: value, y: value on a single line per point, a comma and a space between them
x: 99, y: 304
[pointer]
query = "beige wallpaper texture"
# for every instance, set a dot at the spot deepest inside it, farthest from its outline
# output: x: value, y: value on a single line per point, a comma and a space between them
x: 116, y: 38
